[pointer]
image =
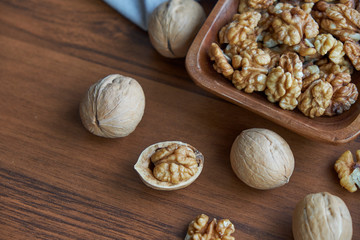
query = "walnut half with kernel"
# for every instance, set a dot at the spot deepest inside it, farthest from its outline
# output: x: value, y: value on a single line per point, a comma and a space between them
x: 169, y: 165
x: 348, y: 171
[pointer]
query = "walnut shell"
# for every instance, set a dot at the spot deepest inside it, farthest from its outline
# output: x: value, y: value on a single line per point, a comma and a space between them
x: 262, y: 159
x: 144, y: 167
x: 173, y: 26
x: 113, y: 107
x: 321, y: 216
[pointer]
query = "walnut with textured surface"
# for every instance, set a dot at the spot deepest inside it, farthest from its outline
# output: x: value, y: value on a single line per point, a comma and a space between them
x: 221, y: 64
x: 232, y: 49
x: 345, y: 93
x: 352, y: 50
x: 251, y: 5
x: 340, y: 20
x: 291, y: 63
x: 327, y: 67
x: 321, y: 216
x: 169, y: 165
x: 349, y: 3
x: 113, y: 107
x: 259, y: 4
x: 316, y: 98
x: 327, y: 44
x: 290, y: 26
x: 307, y: 7
x: 262, y: 159
x: 253, y: 69
x: 173, y: 26
x: 284, y: 82
x: 279, y: 8
x: 201, y: 229
x: 174, y: 163
x: 282, y: 87
x: 306, y: 49
x: 241, y: 28
x: 348, y: 171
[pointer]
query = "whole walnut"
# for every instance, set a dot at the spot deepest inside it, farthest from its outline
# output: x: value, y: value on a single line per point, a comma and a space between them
x: 113, y: 107
x: 262, y: 159
x: 173, y: 26
x: 321, y: 216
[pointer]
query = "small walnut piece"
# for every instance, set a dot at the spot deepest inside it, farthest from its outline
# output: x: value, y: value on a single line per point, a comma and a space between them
x: 221, y: 64
x: 113, y: 107
x: 260, y: 4
x: 311, y: 74
x: 321, y: 216
x: 169, y: 165
x: 201, y: 229
x: 352, y: 50
x: 348, y: 171
x: 327, y: 67
x: 262, y: 159
x: 173, y: 25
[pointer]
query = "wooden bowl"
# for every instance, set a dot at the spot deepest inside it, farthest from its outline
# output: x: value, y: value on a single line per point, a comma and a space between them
x: 337, y: 129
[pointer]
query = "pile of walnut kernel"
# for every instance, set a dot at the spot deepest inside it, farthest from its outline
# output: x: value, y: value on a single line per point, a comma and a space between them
x: 299, y: 53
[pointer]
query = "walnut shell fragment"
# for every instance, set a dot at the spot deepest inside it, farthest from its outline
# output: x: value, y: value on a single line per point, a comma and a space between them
x: 201, y: 229
x: 169, y: 165
x: 321, y: 216
x: 348, y: 171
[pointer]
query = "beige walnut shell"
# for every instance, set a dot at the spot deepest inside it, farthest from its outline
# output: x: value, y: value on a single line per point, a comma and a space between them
x: 113, y: 107
x: 144, y: 169
x: 262, y: 159
x: 173, y: 26
x: 321, y: 216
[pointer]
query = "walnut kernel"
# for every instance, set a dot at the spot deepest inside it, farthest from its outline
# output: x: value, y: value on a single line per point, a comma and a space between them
x: 240, y: 28
x: 253, y: 67
x: 169, y: 165
x: 221, y: 64
x: 201, y: 229
x: 348, y: 171
x: 316, y: 98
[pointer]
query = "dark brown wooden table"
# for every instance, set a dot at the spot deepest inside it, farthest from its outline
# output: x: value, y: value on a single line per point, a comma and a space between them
x: 58, y: 181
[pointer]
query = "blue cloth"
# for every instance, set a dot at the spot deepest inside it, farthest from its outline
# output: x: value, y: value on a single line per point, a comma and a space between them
x: 137, y: 11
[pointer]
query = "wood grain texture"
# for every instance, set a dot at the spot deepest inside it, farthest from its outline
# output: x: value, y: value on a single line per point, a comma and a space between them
x: 58, y: 181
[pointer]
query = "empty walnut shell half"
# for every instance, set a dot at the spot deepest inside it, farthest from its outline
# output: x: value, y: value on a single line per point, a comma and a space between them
x: 169, y: 165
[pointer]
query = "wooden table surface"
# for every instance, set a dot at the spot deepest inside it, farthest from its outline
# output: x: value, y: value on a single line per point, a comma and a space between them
x: 58, y: 181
